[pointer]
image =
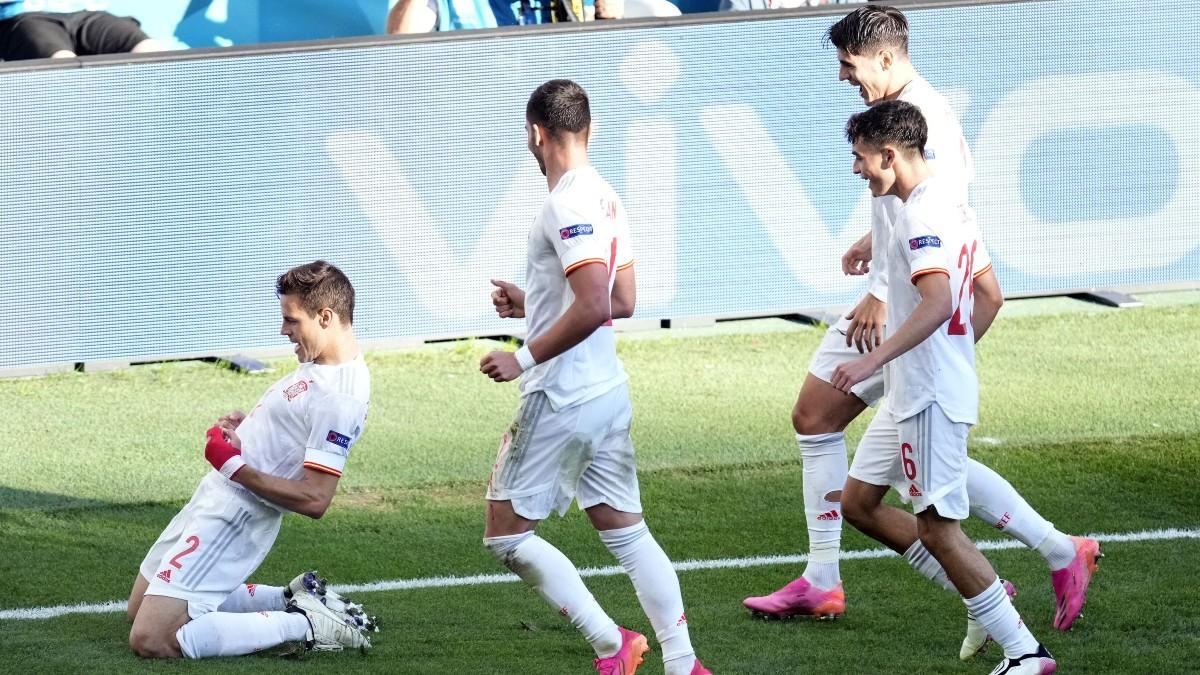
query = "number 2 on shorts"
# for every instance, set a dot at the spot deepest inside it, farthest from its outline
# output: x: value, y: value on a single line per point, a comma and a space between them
x: 195, y: 544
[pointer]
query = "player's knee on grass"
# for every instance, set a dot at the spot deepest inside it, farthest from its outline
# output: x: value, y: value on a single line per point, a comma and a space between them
x: 153, y: 633
x: 131, y: 612
x: 135, y: 597
x: 150, y: 643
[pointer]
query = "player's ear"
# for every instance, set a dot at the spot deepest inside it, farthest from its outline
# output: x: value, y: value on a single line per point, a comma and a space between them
x: 886, y: 59
x: 889, y: 156
x: 536, y: 130
x: 325, y: 317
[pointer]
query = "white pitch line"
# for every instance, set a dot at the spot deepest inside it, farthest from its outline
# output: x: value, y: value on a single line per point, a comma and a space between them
x: 684, y: 566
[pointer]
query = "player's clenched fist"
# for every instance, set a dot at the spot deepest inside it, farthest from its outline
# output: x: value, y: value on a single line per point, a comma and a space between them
x: 224, y: 456
x: 231, y: 421
x: 501, y: 366
x: 509, y: 300
x: 850, y: 373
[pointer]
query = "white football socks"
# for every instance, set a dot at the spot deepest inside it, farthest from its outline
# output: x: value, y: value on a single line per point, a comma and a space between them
x: 1058, y: 549
x: 555, y: 578
x: 657, y: 587
x: 254, y: 598
x: 229, y: 634
x: 995, y: 611
x: 995, y: 501
x: 825, y: 470
x: 927, y: 566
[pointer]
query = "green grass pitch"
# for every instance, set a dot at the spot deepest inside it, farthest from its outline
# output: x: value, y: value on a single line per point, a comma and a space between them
x: 1094, y: 415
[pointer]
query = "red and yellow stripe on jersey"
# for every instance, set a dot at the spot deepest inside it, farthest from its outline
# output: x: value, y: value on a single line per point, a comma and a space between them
x: 932, y: 270
x: 323, y: 469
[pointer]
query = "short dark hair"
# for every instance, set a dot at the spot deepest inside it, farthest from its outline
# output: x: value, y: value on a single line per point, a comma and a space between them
x: 319, y: 285
x: 868, y: 28
x: 897, y: 123
x: 559, y: 106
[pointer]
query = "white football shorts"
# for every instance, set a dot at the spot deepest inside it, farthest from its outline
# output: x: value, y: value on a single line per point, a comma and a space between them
x: 548, y: 458
x: 833, y: 351
x: 211, y: 546
x: 924, y: 457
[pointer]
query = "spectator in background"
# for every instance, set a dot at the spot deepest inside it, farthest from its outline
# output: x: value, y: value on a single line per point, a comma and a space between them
x: 425, y: 16
x: 41, y: 35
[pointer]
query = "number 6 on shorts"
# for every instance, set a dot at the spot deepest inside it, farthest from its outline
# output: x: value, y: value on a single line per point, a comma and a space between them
x: 910, y: 467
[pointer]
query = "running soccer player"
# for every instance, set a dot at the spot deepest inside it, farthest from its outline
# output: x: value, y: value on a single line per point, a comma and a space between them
x: 190, y: 598
x: 872, y: 48
x: 570, y: 439
x: 929, y: 365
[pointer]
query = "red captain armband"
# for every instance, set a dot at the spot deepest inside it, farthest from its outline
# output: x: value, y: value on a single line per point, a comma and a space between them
x: 221, y: 454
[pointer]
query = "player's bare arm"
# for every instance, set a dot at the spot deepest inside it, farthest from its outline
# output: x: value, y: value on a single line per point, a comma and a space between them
x: 866, y: 323
x: 934, y: 310
x: 988, y: 301
x: 856, y: 261
x: 309, y: 496
x: 624, y: 294
x: 590, y: 310
x: 508, y: 299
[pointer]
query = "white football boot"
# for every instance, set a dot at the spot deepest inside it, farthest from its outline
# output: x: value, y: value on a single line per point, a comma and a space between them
x: 329, y: 630
x: 314, y: 584
x: 1037, y: 663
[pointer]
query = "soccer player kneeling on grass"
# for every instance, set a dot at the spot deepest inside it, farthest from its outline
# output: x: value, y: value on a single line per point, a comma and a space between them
x: 190, y: 598
x: 570, y: 439
x: 929, y: 369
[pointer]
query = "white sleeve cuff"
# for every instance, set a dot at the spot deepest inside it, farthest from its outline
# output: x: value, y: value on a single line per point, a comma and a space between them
x: 879, y: 291
x: 525, y: 358
x: 232, y: 466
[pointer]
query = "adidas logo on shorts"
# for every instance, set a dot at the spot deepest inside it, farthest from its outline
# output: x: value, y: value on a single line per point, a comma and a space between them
x: 165, y: 575
x: 913, y: 491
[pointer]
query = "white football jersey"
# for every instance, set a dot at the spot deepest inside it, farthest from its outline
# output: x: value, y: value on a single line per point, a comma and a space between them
x: 935, y: 233
x: 582, y: 222
x: 948, y: 157
x: 308, y: 419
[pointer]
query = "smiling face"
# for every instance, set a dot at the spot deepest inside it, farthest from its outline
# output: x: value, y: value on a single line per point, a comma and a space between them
x: 871, y: 73
x: 876, y: 166
x: 306, y: 331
